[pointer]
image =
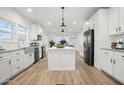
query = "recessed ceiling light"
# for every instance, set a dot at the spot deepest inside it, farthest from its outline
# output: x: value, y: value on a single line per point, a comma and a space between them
x: 49, y: 23
x: 74, y: 23
x: 29, y: 10
x: 87, y: 23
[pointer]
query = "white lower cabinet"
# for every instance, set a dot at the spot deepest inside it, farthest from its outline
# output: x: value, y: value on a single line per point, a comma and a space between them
x: 11, y: 63
x: 119, y: 66
x: 17, y: 59
x: 119, y: 70
x: 107, y: 64
x: 5, y: 67
x: 29, y: 59
x: 113, y: 64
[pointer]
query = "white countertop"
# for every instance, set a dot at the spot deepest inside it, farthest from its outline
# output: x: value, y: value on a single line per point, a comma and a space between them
x: 11, y: 50
x: 110, y: 49
x: 65, y: 48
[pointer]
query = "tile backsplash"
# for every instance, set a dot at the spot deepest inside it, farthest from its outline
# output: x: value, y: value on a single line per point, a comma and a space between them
x: 14, y: 45
x: 116, y: 38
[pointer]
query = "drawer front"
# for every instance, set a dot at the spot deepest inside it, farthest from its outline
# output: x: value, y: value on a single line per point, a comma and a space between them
x: 109, y: 53
x: 119, y: 55
x: 17, y: 53
x: 4, y: 56
x: 18, y: 60
x: 17, y: 68
x: 31, y: 55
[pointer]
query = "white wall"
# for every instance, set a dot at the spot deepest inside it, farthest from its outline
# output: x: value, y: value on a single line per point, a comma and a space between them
x: 80, y: 41
x: 16, y: 18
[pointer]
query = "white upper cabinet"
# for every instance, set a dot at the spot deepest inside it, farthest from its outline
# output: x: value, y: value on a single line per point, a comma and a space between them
x: 116, y: 21
x: 35, y: 30
x: 121, y: 19
x: 113, y: 20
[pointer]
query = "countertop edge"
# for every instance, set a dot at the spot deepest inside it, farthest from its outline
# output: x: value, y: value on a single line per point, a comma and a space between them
x: 116, y: 50
x: 17, y: 49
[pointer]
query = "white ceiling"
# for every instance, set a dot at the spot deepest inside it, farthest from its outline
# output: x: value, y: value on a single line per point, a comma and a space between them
x: 44, y: 15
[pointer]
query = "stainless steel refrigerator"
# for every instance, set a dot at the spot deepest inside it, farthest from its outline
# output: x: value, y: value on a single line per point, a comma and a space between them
x: 89, y: 47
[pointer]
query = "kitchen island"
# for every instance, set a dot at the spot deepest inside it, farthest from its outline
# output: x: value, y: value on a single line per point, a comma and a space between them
x: 60, y: 59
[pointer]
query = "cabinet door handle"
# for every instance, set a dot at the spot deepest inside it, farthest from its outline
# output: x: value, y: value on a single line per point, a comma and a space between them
x: 116, y: 29
x: 114, y: 61
x: 106, y: 52
x: 9, y: 62
x: 111, y: 60
x: 1, y: 57
x: 30, y: 55
x: 18, y: 67
x: 17, y: 53
x: 18, y: 60
x: 119, y: 28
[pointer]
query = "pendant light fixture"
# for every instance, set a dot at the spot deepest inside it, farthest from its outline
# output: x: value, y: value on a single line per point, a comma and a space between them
x: 63, y: 24
x: 62, y: 30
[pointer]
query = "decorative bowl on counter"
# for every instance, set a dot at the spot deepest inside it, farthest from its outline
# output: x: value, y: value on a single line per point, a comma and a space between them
x: 113, y: 45
x: 60, y: 46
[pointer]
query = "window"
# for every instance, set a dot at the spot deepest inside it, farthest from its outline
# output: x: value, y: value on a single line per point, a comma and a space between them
x: 66, y: 38
x: 5, y: 30
x: 22, y: 33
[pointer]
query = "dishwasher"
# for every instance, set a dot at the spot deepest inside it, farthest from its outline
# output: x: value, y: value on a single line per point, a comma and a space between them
x: 36, y: 54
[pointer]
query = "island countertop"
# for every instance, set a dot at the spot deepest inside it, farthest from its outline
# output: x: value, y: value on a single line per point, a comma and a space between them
x: 65, y: 48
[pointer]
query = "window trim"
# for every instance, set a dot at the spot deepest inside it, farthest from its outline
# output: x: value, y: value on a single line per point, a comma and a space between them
x: 26, y: 31
x: 12, y: 24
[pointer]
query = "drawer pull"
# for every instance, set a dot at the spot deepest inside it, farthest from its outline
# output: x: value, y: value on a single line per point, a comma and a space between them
x: 114, y: 61
x: 111, y: 60
x: 9, y: 62
x: 116, y: 29
x: 18, y: 60
x: 17, y: 53
x: 106, y: 52
x: 1, y: 57
x: 18, y: 67
x: 122, y: 56
x: 119, y: 28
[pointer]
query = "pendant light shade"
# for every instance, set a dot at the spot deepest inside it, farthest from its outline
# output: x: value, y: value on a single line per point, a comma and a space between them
x: 62, y: 30
x: 63, y: 24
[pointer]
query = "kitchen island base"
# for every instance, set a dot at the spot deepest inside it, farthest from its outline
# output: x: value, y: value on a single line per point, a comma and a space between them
x: 60, y: 59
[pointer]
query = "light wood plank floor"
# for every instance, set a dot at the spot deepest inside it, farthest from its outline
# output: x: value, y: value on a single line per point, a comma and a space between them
x: 38, y: 74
